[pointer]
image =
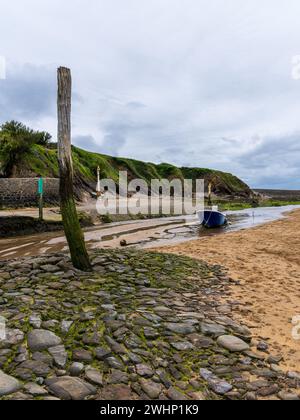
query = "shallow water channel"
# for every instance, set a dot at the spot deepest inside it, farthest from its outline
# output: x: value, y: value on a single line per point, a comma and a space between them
x: 142, y: 234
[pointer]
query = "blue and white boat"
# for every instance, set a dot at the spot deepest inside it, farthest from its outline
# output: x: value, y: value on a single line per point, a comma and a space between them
x: 212, y: 218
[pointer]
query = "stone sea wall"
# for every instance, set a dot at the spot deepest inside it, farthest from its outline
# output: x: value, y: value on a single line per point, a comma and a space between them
x: 22, y: 192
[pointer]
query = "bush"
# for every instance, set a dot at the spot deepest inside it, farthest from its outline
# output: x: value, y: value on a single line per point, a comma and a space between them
x: 106, y: 218
x: 16, y: 140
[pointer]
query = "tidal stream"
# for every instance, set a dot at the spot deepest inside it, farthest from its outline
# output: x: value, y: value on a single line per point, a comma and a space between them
x: 141, y: 234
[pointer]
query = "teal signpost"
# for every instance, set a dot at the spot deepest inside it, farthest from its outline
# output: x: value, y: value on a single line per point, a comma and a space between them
x: 40, y: 186
x: 41, y: 192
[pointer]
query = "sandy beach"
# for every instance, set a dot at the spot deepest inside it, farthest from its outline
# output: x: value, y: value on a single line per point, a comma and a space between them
x: 266, y: 261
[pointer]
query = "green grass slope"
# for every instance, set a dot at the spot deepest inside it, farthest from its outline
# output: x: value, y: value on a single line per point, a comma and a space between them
x: 42, y: 161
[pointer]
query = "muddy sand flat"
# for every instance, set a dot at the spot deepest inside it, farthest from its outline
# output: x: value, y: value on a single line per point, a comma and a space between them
x: 266, y: 260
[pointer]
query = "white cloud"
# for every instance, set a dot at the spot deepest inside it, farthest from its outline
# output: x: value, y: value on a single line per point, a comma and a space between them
x: 199, y: 82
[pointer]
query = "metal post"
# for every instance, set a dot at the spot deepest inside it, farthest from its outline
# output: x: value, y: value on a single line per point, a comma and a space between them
x: 98, y: 189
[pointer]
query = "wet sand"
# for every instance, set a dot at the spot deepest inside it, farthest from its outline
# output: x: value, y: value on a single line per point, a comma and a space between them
x: 266, y: 261
x: 105, y: 236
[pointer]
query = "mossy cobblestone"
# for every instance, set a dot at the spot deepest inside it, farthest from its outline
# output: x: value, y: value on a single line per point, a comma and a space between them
x: 140, y: 326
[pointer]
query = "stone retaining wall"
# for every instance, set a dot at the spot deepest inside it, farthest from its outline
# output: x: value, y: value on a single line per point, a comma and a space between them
x: 22, y: 192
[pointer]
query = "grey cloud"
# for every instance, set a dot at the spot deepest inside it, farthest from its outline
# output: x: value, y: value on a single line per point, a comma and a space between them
x: 86, y: 143
x: 283, y: 150
x: 115, y: 138
x: 28, y: 92
x: 135, y: 105
x: 112, y: 144
x: 273, y: 163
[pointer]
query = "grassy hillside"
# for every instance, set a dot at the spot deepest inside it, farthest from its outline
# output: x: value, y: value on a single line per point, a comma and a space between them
x: 42, y: 161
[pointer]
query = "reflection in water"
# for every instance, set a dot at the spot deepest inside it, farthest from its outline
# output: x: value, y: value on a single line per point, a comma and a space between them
x: 237, y: 220
x: 248, y: 218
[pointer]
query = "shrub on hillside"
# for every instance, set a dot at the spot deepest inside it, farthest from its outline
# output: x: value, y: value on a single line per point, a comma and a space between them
x: 16, y: 140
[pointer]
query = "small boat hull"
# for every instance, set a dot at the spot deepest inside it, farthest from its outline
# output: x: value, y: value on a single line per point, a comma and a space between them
x: 212, y: 219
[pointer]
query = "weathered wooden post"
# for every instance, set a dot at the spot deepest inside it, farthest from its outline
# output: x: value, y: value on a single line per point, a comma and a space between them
x: 73, y: 232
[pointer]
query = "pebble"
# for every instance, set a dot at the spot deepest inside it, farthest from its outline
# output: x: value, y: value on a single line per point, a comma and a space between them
x: 293, y: 375
x: 262, y: 346
x: 114, y: 363
x: 218, y: 385
x: 94, y: 376
x: 175, y: 395
x: 275, y: 360
x: 35, y: 321
x: 288, y: 396
x: 26, y: 369
x: 69, y: 388
x: 144, y: 371
x: 59, y: 355
x: 8, y: 384
x: 13, y: 337
x: 150, y: 333
x: 118, y: 377
x: 81, y: 355
x: 182, y: 345
x: 102, y: 353
x: 49, y: 268
x: 212, y: 329
x: 65, y: 326
x: 180, y: 328
x: 76, y: 369
x: 152, y: 389
x: 233, y: 344
x: 35, y: 389
x: 250, y: 396
x: 270, y: 390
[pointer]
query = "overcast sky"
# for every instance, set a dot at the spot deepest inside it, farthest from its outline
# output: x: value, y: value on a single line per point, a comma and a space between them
x: 192, y: 82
